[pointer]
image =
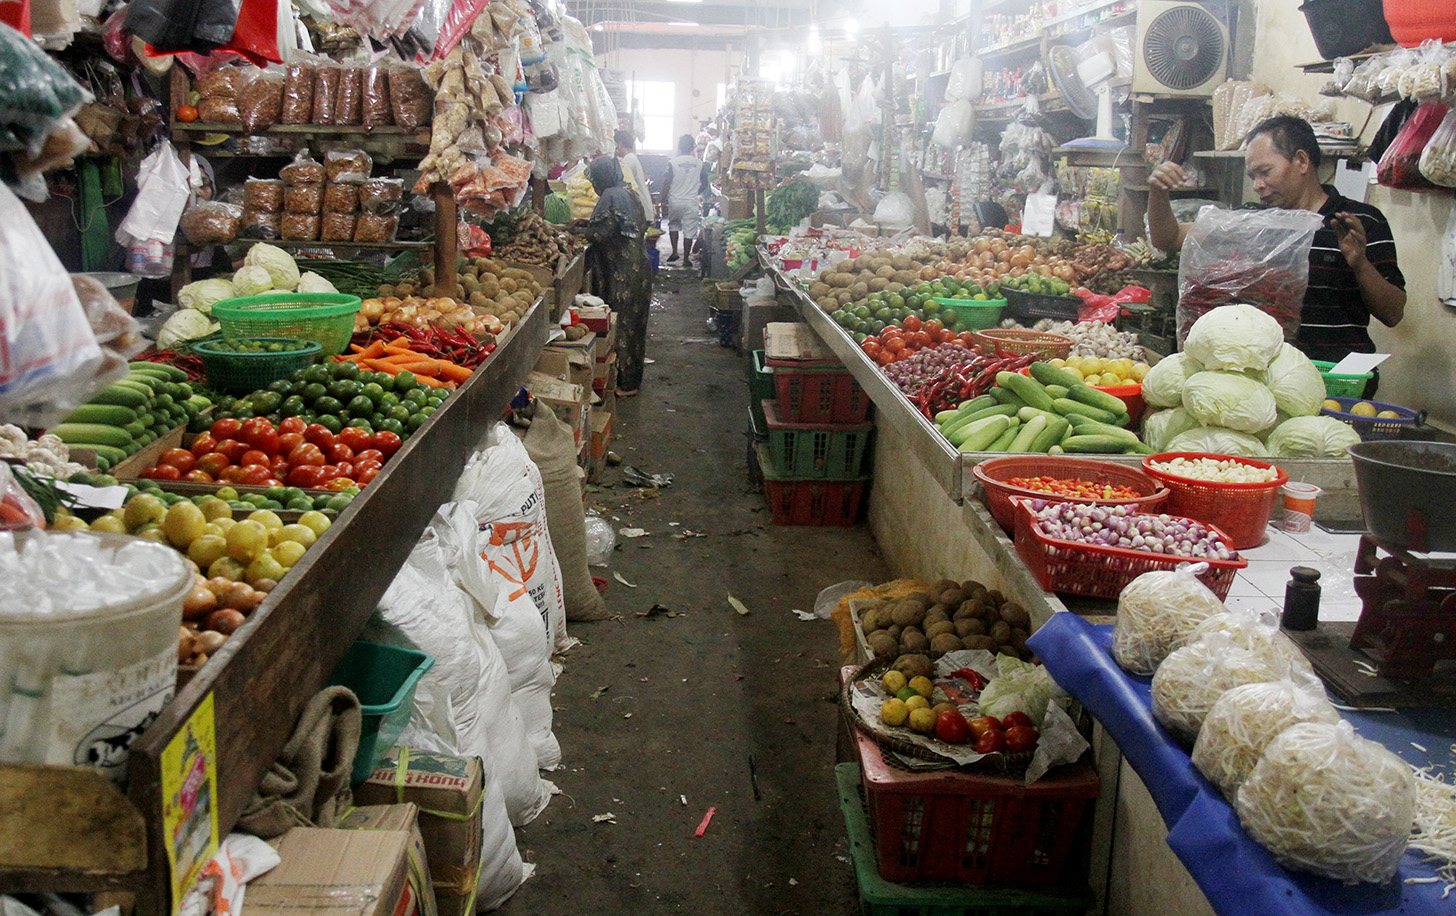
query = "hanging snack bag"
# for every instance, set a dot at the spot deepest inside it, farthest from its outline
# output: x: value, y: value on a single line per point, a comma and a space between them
x: 263, y: 194
x: 410, y: 99
x: 348, y: 166
x: 377, y: 111
x: 211, y: 223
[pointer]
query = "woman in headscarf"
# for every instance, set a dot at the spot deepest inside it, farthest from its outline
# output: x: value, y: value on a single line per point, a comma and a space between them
x: 618, y: 261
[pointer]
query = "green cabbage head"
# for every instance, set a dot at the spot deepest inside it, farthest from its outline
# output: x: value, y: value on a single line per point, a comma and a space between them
x: 252, y: 281
x: 1163, y: 385
x: 1216, y: 440
x: 1229, y: 399
x: 1234, y: 337
x: 203, y: 294
x: 1296, y: 384
x: 1311, y: 437
x: 279, y: 264
x: 1161, y: 427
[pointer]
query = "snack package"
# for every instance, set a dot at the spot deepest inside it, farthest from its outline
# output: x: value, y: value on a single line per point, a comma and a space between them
x: 341, y: 198
x: 1400, y: 166
x: 377, y: 110
x: 325, y: 93
x: 304, y: 169
x: 348, y: 166
x: 260, y: 102
x: 381, y: 195
x: 263, y: 194
x: 211, y: 223
x: 338, y: 227
x: 261, y: 224
x: 300, y: 227
x: 220, y: 111
x: 301, y: 77
x: 303, y: 198
x: 410, y: 99
x: 373, y: 227
x: 348, y: 104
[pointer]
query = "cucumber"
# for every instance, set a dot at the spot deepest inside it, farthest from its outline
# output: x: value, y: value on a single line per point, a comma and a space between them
x: 1056, y: 450
x: 1138, y: 448
x: 199, y: 401
x: 1089, y: 427
x: 945, y: 416
x: 122, y: 396
x: 135, y: 429
x: 1000, y: 410
x: 1056, y: 428
x: 112, y: 456
x: 1057, y: 391
x: 977, y: 403
x: 147, y: 419
x: 984, y: 433
x: 1048, y: 374
x: 1101, y: 399
x: 1028, y: 389
x: 105, y: 414
x: 137, y: 385
x: 1007, y: 396
x: 1028, y: 434
x: 171, y: 373
x: 1066, y: 407
x: 87, y: 433
x: 1102, y: 445
x: 1003, y: 441
x: 1027, y: 414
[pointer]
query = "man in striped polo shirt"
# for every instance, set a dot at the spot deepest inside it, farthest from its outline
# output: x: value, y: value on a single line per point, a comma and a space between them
x: 1353, y: 272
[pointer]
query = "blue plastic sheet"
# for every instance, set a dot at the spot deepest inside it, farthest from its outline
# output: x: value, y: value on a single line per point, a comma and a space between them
x: 1236, y: 874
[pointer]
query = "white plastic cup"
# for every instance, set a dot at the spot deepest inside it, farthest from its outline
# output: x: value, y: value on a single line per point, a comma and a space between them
x: 1298, y: 505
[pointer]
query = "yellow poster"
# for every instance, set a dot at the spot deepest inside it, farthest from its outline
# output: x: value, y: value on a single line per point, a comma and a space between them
x: 189, y: 795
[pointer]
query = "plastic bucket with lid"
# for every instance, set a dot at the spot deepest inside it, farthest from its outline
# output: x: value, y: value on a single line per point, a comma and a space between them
x: 88, y: 644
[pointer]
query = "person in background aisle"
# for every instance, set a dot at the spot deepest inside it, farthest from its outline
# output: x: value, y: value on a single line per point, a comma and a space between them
x: 1353, y: 272
x: 632, y: 171
x: 617, y: 258
x: 687, y: 179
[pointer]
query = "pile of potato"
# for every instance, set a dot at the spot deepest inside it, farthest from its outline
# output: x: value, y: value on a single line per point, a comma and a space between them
x: 423, y: 312
x: 486, y: 287
x: 891, y: 270
x: 949, y: 617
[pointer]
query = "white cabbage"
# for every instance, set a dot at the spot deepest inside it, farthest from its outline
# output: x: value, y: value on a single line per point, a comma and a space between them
x: 185, y: 324
x: 311, y: 282
x: 1245, y: 720
x: 203, y: 294
x: 1229, y: 399
x: 1218, y: 440
x: 1234, y: 337
x: 1311, y: 437
x: 1019, y: 685
x: 1296, y: 384
x: 252, y: 281
x: 279, y: 264
x: 1160, y: 427
x: 1163, y: 385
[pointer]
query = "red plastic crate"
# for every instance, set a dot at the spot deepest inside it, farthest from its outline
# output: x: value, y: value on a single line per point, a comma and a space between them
x: 809, y: 502
x: 973, y: 828
x: 819, y: 396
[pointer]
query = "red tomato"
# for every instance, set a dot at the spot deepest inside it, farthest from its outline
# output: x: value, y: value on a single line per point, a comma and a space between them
x: 162, y: 472
x: 260, y: 434
x: 967, y: 337
x: 292, y: 425
x: 319, y: 435
x: 213, y: 463
x: 894, y: 345
x: 179, y: 458
x: 361, y: 464
x: 951, y: 727
x: 982, y: 724
x: 255, y: 457
x: 304, y: 475
x: 226, y: 428
x: 339, y: 483
x: 233, y: 473
x: 273, y: 482
x: 1014, y: 718
x: 289, y: 441
x: 346, y: 469
x: 386, y: 442
x: 1021, y: 738
x: 922, y: 339
x: 944, y: 335
x: 197, y: 476
x: 871, y: 348
x: 361, y: 477
x: 234, y: 449
x: 368, y: 454
x: 203, y: 444
x: 911, y: 323
x: 328, y: 472
x: 280, y: 466
x: 254, y: 475
x: 339, y: 453
x: 307, y: 453
x: 991, y: 741
x: 354, y: 437
x: 933, y: 326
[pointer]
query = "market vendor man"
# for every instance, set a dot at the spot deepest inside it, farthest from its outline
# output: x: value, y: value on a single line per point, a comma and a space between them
x: 1353, y: 272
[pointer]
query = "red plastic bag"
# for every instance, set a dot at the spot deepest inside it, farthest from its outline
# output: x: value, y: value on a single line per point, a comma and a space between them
x: 18, y: 511
x: 461, y: 17
x: 475, y: 241
x: 1400, y: 167
x: 1095, y: 306
x: 256, y: 36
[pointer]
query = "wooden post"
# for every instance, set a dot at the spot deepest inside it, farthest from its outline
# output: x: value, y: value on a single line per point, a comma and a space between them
x: 446, y: 238
x: 539, y: 190
x: 759, y: 213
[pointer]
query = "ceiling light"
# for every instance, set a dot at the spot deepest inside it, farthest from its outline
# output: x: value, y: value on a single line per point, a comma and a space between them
x: 851, y: 27
x: 686, y: 25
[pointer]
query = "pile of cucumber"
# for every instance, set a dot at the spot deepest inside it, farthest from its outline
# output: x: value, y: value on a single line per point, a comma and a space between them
x: 1051, y: 412
x: 121, y: 420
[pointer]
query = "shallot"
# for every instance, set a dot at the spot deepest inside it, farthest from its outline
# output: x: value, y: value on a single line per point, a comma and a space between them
x: 1121, y: 526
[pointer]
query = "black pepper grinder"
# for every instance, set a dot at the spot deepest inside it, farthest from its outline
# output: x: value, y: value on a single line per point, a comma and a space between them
x: 1301, y: 599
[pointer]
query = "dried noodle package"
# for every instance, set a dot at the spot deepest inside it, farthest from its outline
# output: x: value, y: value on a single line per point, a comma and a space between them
x: 1157, y: 612
x: 1191, y: 679
x: 1245, y: 720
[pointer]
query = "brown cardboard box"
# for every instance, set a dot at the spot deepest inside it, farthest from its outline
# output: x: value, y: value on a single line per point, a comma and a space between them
x: 571, y: 403
x: 405, y: 818
x: 597, y: 318
x: 601, y: 434
x: 603, y: 372
x: 447, y: 791
x: 326, y: 872
x: 568, y: 362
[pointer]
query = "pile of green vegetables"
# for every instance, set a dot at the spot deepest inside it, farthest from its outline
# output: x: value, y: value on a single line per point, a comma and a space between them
x: 363, y: 278
x: 740, y: 240
x: 789, y: 204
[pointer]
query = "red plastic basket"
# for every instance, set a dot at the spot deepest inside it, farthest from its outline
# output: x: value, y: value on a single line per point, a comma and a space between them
x: 969, y: 827
x: 993, y: 473
x: 1096, y: 571
x: 1006, y: 342
x: 814, y: 502
x: 1240, y: 510
x: 819, y: 396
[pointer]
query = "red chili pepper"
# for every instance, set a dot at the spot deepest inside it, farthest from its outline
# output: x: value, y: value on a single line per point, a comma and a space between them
x: 971, y: 676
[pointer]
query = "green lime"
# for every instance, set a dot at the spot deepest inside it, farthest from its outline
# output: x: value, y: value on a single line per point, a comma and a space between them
x: 404, y: 381
x: 906, y: 693
x: 318, y: 373
x: 339, y: 503
x: 417, y: 420
x: 346, y: 370
x: 302, y: 504
x: 328, y: 405
x: 400, y: 413
x: 363, y: 423
x: 313, y: 391
x: 389, y: 400
x: 373, y: 391
x: 292, y: 406
x: 332, y: 423
x: 344, y: 389
x: 360, y: 406
x: 277, y: 493
x: 391, y: 425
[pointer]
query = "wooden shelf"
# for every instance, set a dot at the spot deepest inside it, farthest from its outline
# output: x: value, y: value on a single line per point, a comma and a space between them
x: 1220, y: 154
x: 1068, y: 17
x: 1328, y: 66
x: 1144, y: 189
x: 1010, y: 48
x: 295, y: 130
x: 381, y: 246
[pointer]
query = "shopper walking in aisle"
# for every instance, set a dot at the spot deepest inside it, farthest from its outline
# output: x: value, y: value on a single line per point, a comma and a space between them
x: 632, y: 171
x: 687, y: 179
x: 618, y: 262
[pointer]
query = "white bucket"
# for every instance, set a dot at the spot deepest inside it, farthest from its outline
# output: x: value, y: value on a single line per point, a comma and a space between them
x: 79, y: 682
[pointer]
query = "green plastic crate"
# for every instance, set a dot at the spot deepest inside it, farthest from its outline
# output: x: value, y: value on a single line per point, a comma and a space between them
x: 327, y: 318
x: 240, y: 372
x: 879, y: 897
x: 760, y: 389
x: 384, y: 679
x: 1341, y: 386
x: 815, y: 451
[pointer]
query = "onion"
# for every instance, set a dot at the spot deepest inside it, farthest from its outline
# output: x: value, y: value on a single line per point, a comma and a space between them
x: 199, y: 603
x: 225, y: 621
x: 208, y: 641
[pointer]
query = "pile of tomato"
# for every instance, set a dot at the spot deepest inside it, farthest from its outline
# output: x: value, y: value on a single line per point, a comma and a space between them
x: 255, y: 452
x: 1074, y: 487
x: 896, y: 343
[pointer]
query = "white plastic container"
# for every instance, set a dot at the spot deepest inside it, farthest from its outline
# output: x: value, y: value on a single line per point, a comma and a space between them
x: 88, y: 644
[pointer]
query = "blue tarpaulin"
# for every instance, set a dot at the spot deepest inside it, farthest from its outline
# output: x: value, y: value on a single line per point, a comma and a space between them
x: 1236, y: 874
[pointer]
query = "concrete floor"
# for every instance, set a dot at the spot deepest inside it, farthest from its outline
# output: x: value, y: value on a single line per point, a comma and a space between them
x: 661, y: 718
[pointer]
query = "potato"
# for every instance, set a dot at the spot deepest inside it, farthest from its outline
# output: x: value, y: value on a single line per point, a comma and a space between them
x: 980, y: 642
x: 951, y: 597
x: 943, y: 643
x: 1015, y: 614
x: 995, y: 597
x: 973, y: 588
x: 907, y: 611
x: 935, y: 629
x: 914, y: 665
x: 1018, y: 640
x: 874, y: 618
x: 942, y: 585
x: 1001, y: 632
x: 883, y: 644
x: 860, y: 290
x: 894, y: 630
x: 913, y: 640
x: 878, y: 284
x: 970, y: 626
x: 973, y: 607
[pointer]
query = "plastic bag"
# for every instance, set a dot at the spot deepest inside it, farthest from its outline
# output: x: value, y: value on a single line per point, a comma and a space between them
x: 1400, y: 167
x: 894, y: 211
x: 374, y: 227
x: 381, y: 195
x: 1243, y: 722
x: 964, y: 83
x: 265, y: 194
x: 337, y: 227
x: 348, y: 104
x: 261, y: 224
x: 1438, y: 159
x: 299, y: 227
x: 341, y: 198
x: 348, y: 166
x: 410, y: 100
x: 325, y: 93
x: 1260, y: 257
x: 954, y: 124
x: 601, y: 540
x: 18, y: 511
x: 1157, y: 612
x: 38, y: 93
x: 304, y: 169
x: 1191, y: 679
x: 303, y: 198
x: 302, y: 76
x: 377, y: 110
x: 162, y: 191
x: 260, y: 102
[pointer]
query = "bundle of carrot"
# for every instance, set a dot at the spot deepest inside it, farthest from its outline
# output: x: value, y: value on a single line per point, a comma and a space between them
x: 395, y: 356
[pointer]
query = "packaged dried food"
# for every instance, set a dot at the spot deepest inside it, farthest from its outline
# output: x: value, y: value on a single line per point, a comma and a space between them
x: 260, y: 102
x: 377, y: 111
x: 348, y: 166
x: 303, y: 198
x: 338, y: 227
x: 1438, y: 160
x: 219, y: 111
x: 1400, y: 166
x: 222, y: 83
x: 304, y: 169
x: 265, y: 194
x: 381, y: 195
x: 298, y: 92
x: 341, y: 198
x: 300, y: 227
x: 375, y: 227
x: 211, y: 223
x: 409, y: 98
x: 325, y: 89
x: 258, y: 224
x: 348, y: 103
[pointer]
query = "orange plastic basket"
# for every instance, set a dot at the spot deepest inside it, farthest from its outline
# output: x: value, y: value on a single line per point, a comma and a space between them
x: 993, y: 473
x: 1012, y: 342
x: 1130, y: 395
x: 1241, y: 510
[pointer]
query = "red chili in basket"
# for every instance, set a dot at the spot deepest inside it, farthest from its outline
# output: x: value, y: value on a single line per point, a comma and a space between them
x: 1074, y: 487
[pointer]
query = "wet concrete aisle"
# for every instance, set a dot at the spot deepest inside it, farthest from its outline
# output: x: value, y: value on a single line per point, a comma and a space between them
x: 659, y: 717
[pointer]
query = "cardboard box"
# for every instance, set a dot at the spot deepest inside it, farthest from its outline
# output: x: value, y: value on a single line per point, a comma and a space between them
x: 569, y: 402
x: 447, y: 791
x: 328, y: 872
x: 793, y: 340
x: 569, y: 363
x: 602, y: 372
x: 601, y: 438
x: 403, y: 818
x: 596, y: 317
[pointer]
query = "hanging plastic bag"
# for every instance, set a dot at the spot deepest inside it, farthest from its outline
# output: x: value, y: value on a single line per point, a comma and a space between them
x: 953, y: 126
x: 38, y: 94
x: 1438, y: 159
x: 162, y: 191
x: 1446, y: 269
x: 964, y: 83
x: 18, y: 511
x: 256, y: 35
x: 1400, y: 167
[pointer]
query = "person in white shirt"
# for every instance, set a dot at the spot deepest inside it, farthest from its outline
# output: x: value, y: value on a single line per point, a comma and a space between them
x: 683, y: 191
x: 632, y: 171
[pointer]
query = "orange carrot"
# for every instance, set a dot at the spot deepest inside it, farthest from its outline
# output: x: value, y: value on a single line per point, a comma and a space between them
x: 379, y: 365
x: 373, y: 350
x: 451, y: 372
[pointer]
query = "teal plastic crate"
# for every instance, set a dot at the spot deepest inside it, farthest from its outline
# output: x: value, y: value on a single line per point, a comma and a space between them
x: 384, y: 679
x: 1342, y: 386
x: 815, y: 451
x: 760, y: 389
x: 879, y: 897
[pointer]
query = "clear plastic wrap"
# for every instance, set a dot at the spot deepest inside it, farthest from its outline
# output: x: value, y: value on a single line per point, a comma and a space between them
x: 1324, y: 800
x: 410, y: 99
x: 1363, y: 83
x: 261, y: 224
x: 381, y: 195
x: 300, y: 227
x: 1400, y: 166
x: 260, y: 102
x: 211, y: 223
x: 298, y: 87
x: 337, y: 227
x: 221, y: 83
x: 375, y: 227
x: 304, y: 169
x: 348, y: 104
x: 325, y: 93
x: 1157, y: 612
x: 1245, y: 720
x: 303, y: 198
x: 348, y: 166
x: 341, y: 198
x: 1248, y: 630
x: 263, y: 194
x: 220, y: 111
x: 1438, y: 159
x: 1191, y: 679
x: 377, y: 111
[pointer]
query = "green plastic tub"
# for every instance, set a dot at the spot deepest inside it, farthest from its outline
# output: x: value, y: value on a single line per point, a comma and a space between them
x: 233, y: 372
x: 327, y: 318
x: 384, y: 679
x: 1341, y: 386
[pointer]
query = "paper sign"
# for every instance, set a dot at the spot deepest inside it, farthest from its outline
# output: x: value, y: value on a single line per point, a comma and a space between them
x: 189, y: 800
x: 1039, y: 216
x: 1354, y: 183
x: 1358, y: 363
x: 95, y: 497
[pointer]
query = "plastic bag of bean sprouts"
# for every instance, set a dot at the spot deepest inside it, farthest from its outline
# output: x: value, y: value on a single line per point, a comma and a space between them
x: 1191, y: 679
x: 1157, y: 612
x: 1250, y: 630
x: 1244, y: 721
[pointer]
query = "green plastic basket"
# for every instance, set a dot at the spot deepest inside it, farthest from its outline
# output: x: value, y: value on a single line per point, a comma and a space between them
x: 815, y: 451
x: 233, y: 372
x: 973, y: 314
x: 1342, y: 386
x: 384, y: 679
x: 327, y: 318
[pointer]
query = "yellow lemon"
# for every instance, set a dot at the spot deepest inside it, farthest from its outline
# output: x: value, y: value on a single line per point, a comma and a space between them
x: 922, y: 686
x: 917, y: 702
x: 894, y: 712
x: 922, y: 720
x: 894, y: 682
